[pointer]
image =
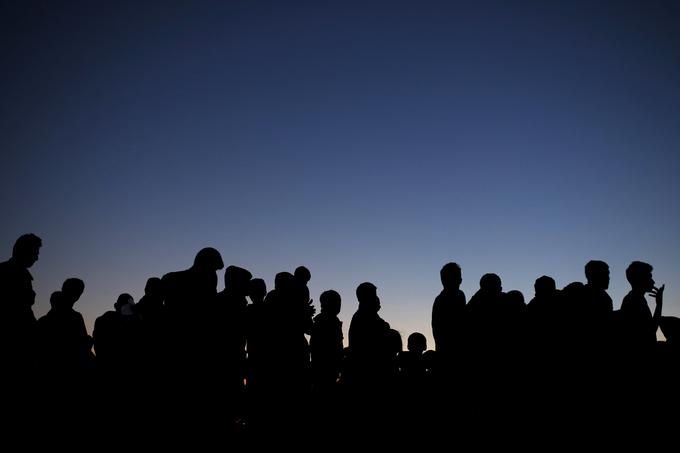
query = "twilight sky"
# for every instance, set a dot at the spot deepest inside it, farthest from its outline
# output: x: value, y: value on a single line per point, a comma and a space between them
x: 370, y: 141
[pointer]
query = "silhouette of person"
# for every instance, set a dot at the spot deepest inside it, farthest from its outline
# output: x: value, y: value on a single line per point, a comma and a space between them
x: 639, y: 324
x: 189, y: 296
x: 596, y: 308
x: 256, y: 333
x: 302, y: 277
x: 369, y: 340
x: 448, y: 312
x: 486, y: 309
x: 597, y: 276
x: 412, y: 362
x: 189, y: 300
x: 190, y: 293
x: 118, y: 345
x: 150, y: 311
x: 116, y: 339
x: 229, y: 338
x: 543, y: 303
x: 290, y: 318
x: 17, y: 320
x: 543, y: 315
x: 326, y: 343
x: 65, y: 343
x: 150, y: 307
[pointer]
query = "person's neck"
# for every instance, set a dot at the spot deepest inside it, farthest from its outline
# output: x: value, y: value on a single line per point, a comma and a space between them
x: 638, y: 292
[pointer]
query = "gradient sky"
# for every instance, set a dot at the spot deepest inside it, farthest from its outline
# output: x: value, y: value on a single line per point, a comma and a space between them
x: 370, y: 141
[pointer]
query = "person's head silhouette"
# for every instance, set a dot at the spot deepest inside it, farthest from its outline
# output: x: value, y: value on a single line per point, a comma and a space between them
x: 330, y: 302
x: 545, y: 286
x: 491, y: 283
x: 125, y: 305
x: 257, y: 290
x: 302, y: 274
x: 153, y: 287
x: 515, y: 297
x: 450, y: 275
x: 208, y: 259
x: 27, y: 249
x: 57, y: 300
x: 416, y: 343
x: 368, y: 297
x: 597, y: 274
x: 284, y: 281
x: 639, y: 275
x: 72, y: 289
x: 237, y: 279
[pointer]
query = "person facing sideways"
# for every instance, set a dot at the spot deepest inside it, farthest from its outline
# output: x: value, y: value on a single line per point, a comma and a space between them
x: 17, y: 320
x: 64, y: 342
x: 369, y: 339
x: 597, y: 276
x: 591, y: 313
x: 448, y: 310
x: 639, y: 324
x: 326, y: 342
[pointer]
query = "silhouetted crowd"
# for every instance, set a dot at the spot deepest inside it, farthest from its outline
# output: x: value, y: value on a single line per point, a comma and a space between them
x: 245, y: 362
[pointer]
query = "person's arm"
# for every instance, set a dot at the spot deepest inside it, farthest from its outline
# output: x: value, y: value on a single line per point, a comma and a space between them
x: 657, y: 294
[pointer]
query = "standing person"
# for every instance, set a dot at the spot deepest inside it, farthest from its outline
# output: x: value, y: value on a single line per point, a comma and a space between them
x: 65, y: 345
x: 596, y: 312
x: 448, y: 312
x: 369, y: 341
x: 189, y: 298
x: 326, y: 343
x: 639, y: 324
x: 17, y: 320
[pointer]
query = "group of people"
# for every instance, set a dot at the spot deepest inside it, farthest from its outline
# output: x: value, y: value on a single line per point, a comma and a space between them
x: 257, y: 356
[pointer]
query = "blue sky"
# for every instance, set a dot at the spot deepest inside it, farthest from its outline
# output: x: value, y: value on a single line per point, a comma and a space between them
x: 370, y: 141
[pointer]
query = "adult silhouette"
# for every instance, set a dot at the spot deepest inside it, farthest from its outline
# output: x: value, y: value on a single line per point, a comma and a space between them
x: 256, y: 334
x: 189, y: 298
x: 152, y: 342
x: 65, y: 344
x: 542, y: 320
x: 639, y: 324
x: 485, y: 311
x: 542, y: 309
x: 369, y: 341
x: 123, y: 368
x: 117, y: 334
x: 326, y: 343
x: 66, y: 357
x: 327, y: 355
x: 229, y: 339
x: 189, y: 293
x: 370, y: 371
x: 448, y: 313
x: 150, y: 307
x: 596, y: 309
x: 302, y: 277
x: 17, y: 320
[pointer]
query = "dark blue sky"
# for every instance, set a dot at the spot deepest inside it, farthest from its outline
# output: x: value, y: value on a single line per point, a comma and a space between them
x: 372, y: 141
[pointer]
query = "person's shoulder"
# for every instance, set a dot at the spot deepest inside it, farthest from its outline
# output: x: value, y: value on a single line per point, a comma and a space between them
x: 10, y: 267
x: 632, y: 301
x: 107, y: 316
